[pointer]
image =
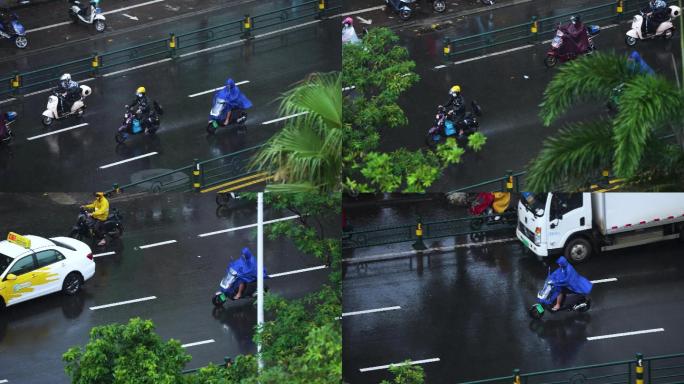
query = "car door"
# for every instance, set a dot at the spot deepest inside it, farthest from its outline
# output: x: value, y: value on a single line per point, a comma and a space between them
x: 52, y: 267
x: 22, y: 288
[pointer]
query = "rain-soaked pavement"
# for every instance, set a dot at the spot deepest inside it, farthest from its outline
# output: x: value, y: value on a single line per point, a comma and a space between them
x: 183, y: 276
x: 71, y: 160
x: 468, y: 307
x: 508, y: 86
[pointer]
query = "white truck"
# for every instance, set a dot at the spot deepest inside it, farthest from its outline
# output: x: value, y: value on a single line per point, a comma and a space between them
x: 579, y: 224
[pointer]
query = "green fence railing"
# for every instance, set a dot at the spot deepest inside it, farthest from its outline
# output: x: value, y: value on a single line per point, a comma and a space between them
x: 665, y: 369
x: 196, y: 176
x: 428, y: 230
x: 539, y: 29
x: 176, y: 45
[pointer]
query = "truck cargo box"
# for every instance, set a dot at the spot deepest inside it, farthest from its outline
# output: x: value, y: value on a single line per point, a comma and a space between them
x: 621, y: 211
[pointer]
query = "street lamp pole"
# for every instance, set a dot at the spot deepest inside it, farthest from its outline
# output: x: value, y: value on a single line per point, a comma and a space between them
x: 681, y: 43
x: 260, y: 268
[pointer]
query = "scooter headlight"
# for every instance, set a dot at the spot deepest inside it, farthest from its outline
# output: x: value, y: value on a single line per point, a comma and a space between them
x: 556, y: 42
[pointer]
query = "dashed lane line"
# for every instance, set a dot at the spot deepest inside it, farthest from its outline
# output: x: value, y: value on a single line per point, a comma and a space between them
x: 157, y: 244
x: 654, y: 330
x: 104, y: 254
x: 385, y: 309
x: 359, y: 11
x: 198, y: 343
x: 216, y: 89
x: 608, y: 280
x: 284, y: 118
x: 379, y: 367
x: 246, y: 226
x: 123, y: 303
x: 127, y: 160
x: 297, y: 271
x: 57, y: 131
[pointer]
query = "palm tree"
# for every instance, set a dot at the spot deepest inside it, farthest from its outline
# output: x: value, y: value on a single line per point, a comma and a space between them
x: 306, y: 155
x: 636, y: 143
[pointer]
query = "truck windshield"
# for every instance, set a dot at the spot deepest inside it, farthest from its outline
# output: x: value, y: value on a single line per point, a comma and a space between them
x: 534, y: 203
x: 5, y: 261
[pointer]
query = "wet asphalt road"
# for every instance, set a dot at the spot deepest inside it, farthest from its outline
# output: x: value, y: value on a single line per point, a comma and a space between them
x: 183, y: 276
x: 70, y: 160
x: 508, y: 87
x: 468, y: 308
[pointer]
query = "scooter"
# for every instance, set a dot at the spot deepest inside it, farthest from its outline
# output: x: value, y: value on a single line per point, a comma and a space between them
x: 112, y: 227
x: 135, y: 123
x: 6, y: 133
x: 17, y: 34
x: 53, y: 112
x: 491, y: 208
x: 546, y: 298
x: 448, y: 125
x: 94, y: 17
x: 665, y: 29
x: 405, y: 8
x: 238, y: 272
x: 554, y: 55
x: 218, y: 113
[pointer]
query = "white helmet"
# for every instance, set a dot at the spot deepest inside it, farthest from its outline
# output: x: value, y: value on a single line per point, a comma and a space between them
x: 65, y: 77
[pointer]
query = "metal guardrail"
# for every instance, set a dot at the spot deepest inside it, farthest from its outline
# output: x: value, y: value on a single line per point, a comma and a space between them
x: 665, y: 369
x: 540, y: 29
x: 172, y: 47
x: 196, y: 176
x: 430, y: 230
x: 512, y: 182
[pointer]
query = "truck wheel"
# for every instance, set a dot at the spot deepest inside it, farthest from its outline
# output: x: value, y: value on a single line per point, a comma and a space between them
x: 577, y: 250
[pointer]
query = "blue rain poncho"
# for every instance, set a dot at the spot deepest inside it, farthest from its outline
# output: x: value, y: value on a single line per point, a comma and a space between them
x: 566, y: 276
x: 246, y: 266
x: 637, y: 64
x: 231, y: 93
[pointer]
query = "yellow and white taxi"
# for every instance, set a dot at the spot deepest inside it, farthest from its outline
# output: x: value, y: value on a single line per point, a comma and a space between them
x: 33, y: 266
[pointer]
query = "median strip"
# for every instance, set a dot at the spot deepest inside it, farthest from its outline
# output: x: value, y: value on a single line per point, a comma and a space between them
x: 298, y: 271
x: 57, y: 131
x: 197, y: 343
x: 626, y: 334
x: 216, y: 89
x: 246, y: 226
x: 157, y: 244
x: 379, y: 367
x: 123, y: 303
x: 127, y: 160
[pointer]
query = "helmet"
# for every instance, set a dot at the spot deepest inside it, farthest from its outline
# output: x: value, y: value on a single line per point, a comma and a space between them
x: 348, y: 21
x: 455, y: 89
x: 10, y: 116
x: 140, y: 90
x: 575, y: 19
x: 230, y: 83
x: 440, y: 108
x: 659, y: 4
x: 65, y: 77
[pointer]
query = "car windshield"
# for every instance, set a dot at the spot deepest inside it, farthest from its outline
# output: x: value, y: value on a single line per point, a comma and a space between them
x: 534, y: 202
x: 5, y: 261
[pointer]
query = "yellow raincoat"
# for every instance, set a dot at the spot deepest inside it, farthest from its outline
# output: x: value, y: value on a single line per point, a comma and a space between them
x: 100, y: 207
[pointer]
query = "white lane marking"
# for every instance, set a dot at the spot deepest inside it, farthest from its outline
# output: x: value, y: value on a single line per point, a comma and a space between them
x: 157, y: 244
x: 4, y: 381
x: 104, y: 13
x: 364, y: 21
x: 493, y: 54
x: 137, y: 67
x: 284, y: 118
x: 127, y: 160
x: 611, y: 279
x: 298, y: 271
x: 246, y: 226
x: 104, y: 254
x: 216, y: 89
x: 371, y: 311
x: 626, y: 334
x: 57, y: 131
x: 440, y: 66
x: 197, y: 343
x: 345, y: 89
x: 359, y: 11
x: 7, y: 100
x: 433, y: 360
x: 123, y: 303
x: 130, y: 17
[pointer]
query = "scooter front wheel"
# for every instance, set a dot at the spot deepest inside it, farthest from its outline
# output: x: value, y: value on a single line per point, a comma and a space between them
x: 550, y: 61
x: 211, y: 129
x: 100, y: 25
x: 536, y: 311
x: 47, y: 121
x: 630, y: 41
x: 216, y: 300
x: 21, y: 42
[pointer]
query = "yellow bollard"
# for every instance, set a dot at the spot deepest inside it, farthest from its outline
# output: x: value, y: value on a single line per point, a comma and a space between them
x: 639, y: 369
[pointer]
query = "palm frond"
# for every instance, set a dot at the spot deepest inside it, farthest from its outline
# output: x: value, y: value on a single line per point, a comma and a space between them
x: 567, y: 159
x: 318, y: 98
x: 591, y: 77
x: 646, y: 103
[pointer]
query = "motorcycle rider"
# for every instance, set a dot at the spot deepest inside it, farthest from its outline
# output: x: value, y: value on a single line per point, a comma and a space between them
x: 141, y: 107
x: 84, y: 8
x: 566, y: 277
x: 456, y: 101
x: 249, y: 261
x: 68, y: 92
x: 655, y: 13
x: 576, y: 33
x: 98, y: 216
x: 235, y: 99
x: 348, y: 32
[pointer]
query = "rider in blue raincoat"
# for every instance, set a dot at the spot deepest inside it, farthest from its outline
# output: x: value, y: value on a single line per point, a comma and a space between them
x: 236, y: 100
x: 568, y: 279
x: 246, y: 268
x: 638, y: 65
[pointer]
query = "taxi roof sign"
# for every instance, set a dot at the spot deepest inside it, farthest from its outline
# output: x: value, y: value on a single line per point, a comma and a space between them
x: 18, y: 239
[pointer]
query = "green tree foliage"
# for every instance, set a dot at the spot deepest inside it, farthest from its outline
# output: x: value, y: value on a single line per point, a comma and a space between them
x: 476, y: 141
x: 406, y: 374
x: 636, y: 144
x: 380, y: 71
x: 306, y: 155
x: 125, y: 354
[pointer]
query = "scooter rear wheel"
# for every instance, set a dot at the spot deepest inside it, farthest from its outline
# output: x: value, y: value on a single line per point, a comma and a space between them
x: 21, y: 42
x: 119, y: 137
x: 585, y: 308
x: 100, y: 26
x: 439, y: 6
x: 550, y: 61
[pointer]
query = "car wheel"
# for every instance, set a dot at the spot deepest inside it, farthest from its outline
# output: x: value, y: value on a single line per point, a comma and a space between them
x: 72, y: 283
x: 577, y: 250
